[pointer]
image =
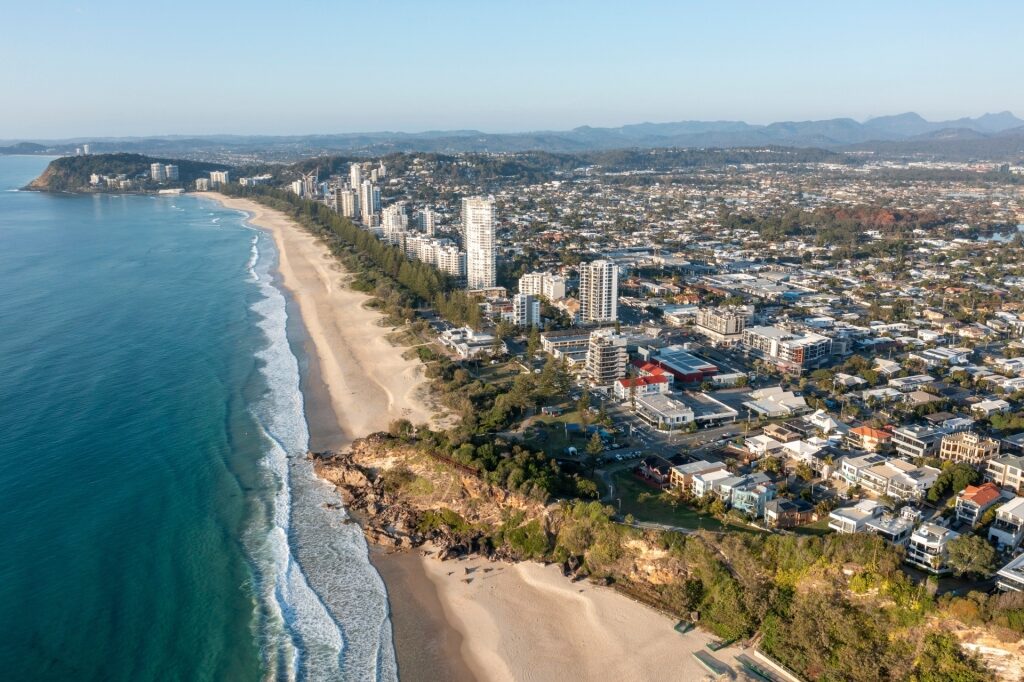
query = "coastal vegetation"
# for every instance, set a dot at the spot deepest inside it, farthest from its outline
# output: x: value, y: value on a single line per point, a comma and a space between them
x: 834, y: 607
x: 72, y: 173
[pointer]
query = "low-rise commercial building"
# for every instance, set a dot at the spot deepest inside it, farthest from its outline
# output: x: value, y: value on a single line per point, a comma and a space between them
x: 722, y: 326
x: 789, y: 351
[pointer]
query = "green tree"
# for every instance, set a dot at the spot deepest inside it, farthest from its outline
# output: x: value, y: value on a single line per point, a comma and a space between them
x: 594, y: 450
x: 970, y: 555
x: 532, y: 342
x: 583, y: 407
x: 953, y: 480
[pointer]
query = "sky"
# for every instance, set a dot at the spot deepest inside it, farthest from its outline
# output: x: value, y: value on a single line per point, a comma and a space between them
x: 114, y: 68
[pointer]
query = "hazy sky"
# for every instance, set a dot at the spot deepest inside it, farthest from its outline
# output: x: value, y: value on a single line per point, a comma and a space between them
x: 140, y: 68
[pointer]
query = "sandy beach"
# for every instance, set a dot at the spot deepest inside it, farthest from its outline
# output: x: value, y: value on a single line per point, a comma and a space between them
x: 367, y: 380
x: 467, y: 619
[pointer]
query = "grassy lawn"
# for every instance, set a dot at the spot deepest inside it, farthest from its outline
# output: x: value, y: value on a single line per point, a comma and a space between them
x: 656, y: 510
x: 501, y: 373
x: 819, y: 527
x: 555, y: 442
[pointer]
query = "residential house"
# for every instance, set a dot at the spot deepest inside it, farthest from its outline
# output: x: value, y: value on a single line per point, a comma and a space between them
x: 821, y: 421
x: 868, y: 438
x: 851, y: 468
x: 968, y: 447
x: 926, y: 548
x: 975, y: 500
x: 783, y: 513
x: 1010, y: 577
x: 1008, y: 527
x: 892, y: 528
x: 854, y: 518
x: 762, y: 445
x: 987, y: 408
x: 916, y: 441
x: 752, y: 499
x: 1006, y: 471
x: 682, y: 476
x: 705, y: 484
x: 899, y: 479
x: 774, y: 402
x: 783, y: 433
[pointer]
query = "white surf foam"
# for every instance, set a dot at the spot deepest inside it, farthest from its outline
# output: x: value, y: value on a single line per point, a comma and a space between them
x: 323, y: 606
x: 254, y: 258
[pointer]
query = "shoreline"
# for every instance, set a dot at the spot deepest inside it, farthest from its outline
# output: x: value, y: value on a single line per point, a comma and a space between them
x: 465, y: 619
x: 344, y: 345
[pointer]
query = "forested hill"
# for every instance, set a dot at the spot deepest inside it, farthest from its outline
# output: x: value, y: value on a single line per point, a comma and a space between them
x: 72, y: 173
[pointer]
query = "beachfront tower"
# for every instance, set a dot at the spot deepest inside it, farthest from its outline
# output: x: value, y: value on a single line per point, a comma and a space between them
x: 599, y: 292
x: 355, y: 176
x: 478, y: 227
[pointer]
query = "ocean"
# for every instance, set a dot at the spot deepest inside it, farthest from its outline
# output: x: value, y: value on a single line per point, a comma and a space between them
x: 158, y: 519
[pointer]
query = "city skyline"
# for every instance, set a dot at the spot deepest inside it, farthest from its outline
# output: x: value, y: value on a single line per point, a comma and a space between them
x: 527, y: 72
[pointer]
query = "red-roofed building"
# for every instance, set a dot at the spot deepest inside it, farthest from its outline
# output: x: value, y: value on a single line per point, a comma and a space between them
x: 974, y: 500
x: 644, y: 385
x: 869, y: 439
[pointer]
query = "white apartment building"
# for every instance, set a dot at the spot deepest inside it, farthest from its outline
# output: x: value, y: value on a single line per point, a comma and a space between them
x: 157, y: 172
x: 478, y: 227
x: 394, y: 223
x: 369, y: 201
x: 171, y: 172
x: 355, y: 176
x: 218, y: 178
x: 788, y: 350
x: 723, y: 326
x: 606, y: 357
x: 451, y: 261
x: 551, y: 287
x: 525, y: 310
x: 599, y: 292
x: 347, y: 201
x: 425, y: 219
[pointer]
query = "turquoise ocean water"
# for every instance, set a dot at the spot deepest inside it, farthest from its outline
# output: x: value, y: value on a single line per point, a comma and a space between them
x: 157, y: 518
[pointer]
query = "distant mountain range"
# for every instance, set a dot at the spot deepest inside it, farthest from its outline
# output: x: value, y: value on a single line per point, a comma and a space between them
x: 996, y: 136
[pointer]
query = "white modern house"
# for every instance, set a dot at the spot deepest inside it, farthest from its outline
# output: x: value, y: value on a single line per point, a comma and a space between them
x: 926, y: 548
x: 1008, y: 527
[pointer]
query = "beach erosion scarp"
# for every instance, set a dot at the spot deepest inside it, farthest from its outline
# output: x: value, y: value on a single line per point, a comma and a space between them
x: 511, y: 621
